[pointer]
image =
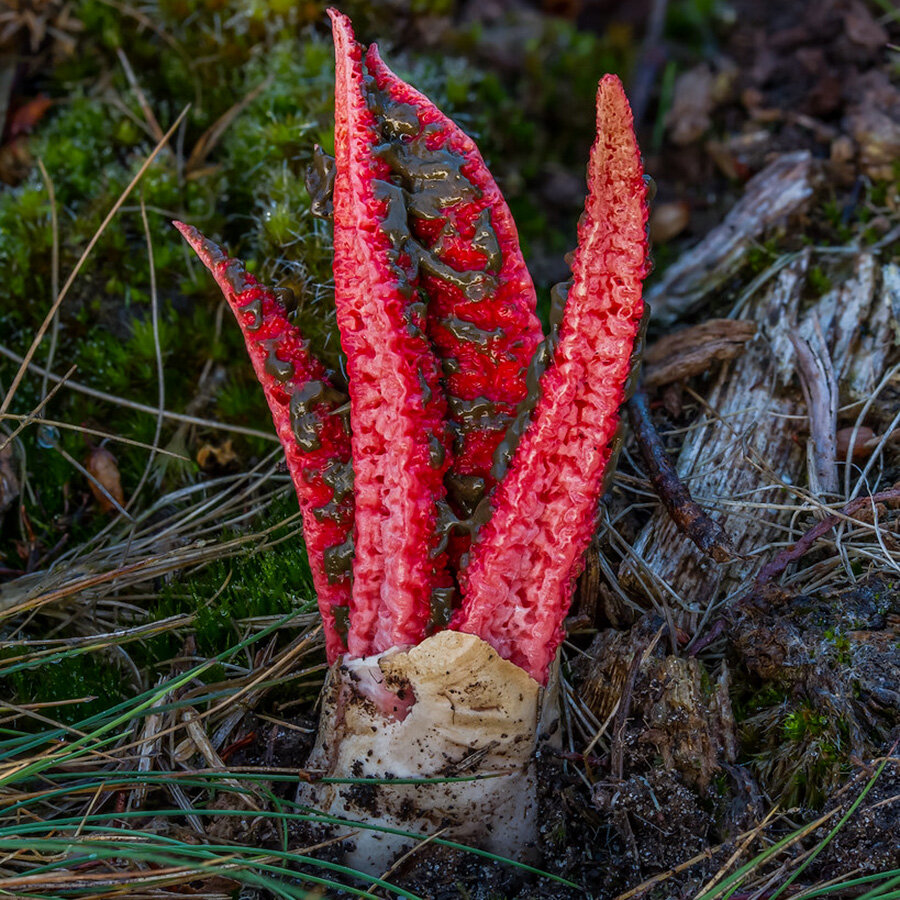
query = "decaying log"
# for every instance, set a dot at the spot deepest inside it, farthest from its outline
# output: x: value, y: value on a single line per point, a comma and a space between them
x: 673, y: 706
x: 781, y: 190
x: 855, y: 318
x: 746, y: 450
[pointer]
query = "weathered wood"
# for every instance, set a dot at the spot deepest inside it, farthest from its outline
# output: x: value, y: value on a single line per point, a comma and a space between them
x: 781, y: 190
x: 691, y: 351
x: 855, y: 318
x: 744, y: 451
x: 740, y: 450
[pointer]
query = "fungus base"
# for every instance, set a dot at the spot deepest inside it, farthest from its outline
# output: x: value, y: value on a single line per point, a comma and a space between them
x: 447, y: 708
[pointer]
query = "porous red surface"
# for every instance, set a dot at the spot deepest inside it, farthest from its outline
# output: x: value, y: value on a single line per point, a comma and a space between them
x: 266, y: 329
x: 397, y: 403
x: 496, y: 370
x: 522, y: 569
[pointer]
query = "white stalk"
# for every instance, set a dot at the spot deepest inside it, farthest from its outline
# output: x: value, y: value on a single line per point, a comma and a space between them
x: 449, y: 707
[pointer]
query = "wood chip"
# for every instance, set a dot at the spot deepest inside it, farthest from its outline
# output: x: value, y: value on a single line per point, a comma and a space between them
x: 693, y: 350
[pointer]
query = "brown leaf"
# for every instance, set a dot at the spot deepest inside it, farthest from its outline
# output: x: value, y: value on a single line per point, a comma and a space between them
x: 104, y: 468
x: 692, y: 351
x: 863, y: 445
x: 217, y: 456
x: 873, y: 121
x: 689, y: 117
x: 27, y: 116
x: 697, y: 93
x: 877, y: 134
x: 863, y: 29
x: 9, y: 480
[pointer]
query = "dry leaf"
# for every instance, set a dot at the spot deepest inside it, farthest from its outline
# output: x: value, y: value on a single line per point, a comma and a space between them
x: 863, y: 29
x: 697, y: 93
x: 689, y: 117
x: 217, y: 456
x: 862, y: 446
x: 9, y: 481
x: 668, y: 220
x: 105, y: 469
x: 26, y: 117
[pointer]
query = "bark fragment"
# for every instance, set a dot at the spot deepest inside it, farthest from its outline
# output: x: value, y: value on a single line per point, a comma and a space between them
x: 691, y: 351
x: 782, y: 189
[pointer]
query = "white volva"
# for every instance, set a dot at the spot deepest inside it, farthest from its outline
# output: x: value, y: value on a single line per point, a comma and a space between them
x: 449, y: 707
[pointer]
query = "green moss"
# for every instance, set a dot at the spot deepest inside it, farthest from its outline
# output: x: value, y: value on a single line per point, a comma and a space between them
x: 818, y: 281
x: 804, y: 722
x: 274, y: 582
x: 760, y: 256
x: 93, y: 678
x: 842, y: 646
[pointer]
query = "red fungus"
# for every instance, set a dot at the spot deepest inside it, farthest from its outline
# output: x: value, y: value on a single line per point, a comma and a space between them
x: 451, y: 392
x: 481, y: 301
x: 397, y: 406
x: 462, y: 424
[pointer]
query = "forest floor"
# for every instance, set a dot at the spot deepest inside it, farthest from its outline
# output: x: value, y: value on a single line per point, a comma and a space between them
x: 731, y: 692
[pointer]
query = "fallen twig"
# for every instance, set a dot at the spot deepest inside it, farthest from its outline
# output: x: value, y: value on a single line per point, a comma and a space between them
x: 691, y: 520
x: 804, y: 544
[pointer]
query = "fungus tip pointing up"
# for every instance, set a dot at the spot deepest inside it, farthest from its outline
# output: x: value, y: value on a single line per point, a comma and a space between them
x: 522, y: 572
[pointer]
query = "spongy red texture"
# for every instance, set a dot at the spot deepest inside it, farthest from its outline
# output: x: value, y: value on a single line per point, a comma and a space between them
x: 397, y: 404
x: 501, y: 305
x: 284, y: 367
x: 522, y: 570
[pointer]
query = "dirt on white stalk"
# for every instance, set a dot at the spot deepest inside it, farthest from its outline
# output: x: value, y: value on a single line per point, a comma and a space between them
x: 450, y: 707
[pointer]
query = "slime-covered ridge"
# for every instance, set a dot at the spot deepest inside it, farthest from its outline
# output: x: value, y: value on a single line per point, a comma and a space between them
x: 400, y: 442
x: 480, y: 311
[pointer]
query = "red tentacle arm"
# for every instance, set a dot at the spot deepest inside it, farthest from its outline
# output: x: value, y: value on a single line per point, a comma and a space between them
x: 400, y: 441
x: 481, y: 300
x: 522, y: 570
x: 315, y: 437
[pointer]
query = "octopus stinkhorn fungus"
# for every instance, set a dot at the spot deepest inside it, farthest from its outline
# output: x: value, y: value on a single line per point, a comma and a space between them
x: 447, y: 517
